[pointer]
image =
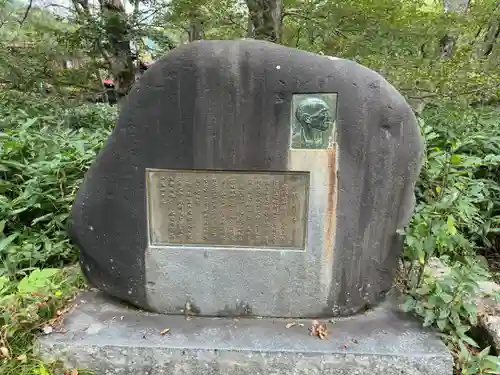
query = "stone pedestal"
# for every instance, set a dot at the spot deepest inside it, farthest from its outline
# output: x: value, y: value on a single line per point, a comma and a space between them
x: 110, y: 338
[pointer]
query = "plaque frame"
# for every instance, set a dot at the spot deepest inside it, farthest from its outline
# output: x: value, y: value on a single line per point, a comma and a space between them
x: 303, y: 184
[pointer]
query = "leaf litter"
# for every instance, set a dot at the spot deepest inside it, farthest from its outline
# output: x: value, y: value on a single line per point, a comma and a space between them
x: 319, y: 330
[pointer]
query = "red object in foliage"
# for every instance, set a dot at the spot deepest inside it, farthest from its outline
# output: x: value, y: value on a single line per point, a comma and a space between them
x: 108, y: 82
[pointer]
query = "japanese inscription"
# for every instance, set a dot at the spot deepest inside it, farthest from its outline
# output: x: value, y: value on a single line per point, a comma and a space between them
x: 227, y: 208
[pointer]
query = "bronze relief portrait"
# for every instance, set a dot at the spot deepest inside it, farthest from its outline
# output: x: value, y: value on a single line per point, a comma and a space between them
x: 313, y: 121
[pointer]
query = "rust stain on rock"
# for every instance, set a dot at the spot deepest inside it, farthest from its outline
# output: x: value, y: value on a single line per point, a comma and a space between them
x: 330, y: 215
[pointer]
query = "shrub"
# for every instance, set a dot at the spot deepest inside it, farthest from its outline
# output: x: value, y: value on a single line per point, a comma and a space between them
x: 457, y: 214
x: 45, y: 150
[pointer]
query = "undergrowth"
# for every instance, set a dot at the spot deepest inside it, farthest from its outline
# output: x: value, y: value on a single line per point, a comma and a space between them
x: 457, y: 215
x: 47, y: 144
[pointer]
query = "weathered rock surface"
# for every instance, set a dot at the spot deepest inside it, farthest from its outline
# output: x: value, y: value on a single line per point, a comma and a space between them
x: 226, y: 106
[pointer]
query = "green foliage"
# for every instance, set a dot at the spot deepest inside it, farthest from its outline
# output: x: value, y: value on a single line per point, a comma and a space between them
x: 457, y: 215
x: 35, y: 304
x: 43, y: 157
x: 400, y: 39
x: 34, y: 52
x: 45, y: 148
x: 220, y: 19
x: 478, y: 363
x: 448, y: 303
x: 459, y: 190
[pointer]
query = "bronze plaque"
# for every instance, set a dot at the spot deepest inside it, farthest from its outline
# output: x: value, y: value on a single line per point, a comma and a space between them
x: 227, y: 208
x: 313, y: 121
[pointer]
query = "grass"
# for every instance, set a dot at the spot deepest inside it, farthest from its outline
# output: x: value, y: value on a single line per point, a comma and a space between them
x: 30, y: 306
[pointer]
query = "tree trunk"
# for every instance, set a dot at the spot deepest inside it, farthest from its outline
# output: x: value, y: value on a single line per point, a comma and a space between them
x: 114, y: 46
x: 266, y: 19
x: 120, y: 54
x: 250, y: 33
x: 447, y: 42
x: 492, y: 36
x: 196, y: 29
x: 443, y: 50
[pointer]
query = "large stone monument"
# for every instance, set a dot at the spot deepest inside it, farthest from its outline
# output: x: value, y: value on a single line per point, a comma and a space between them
x: 248, y: 179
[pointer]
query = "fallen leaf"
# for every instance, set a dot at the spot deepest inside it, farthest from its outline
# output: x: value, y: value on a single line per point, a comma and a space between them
x: 74, y: 372
x: 320, y: 330
x: 59, y: 315
x: 4, y: 352
x: 22, y: 358
x: 290, y: 325
x: 164, y: 331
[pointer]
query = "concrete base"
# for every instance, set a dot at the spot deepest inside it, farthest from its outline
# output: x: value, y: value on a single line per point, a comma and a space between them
x: 109, y: 338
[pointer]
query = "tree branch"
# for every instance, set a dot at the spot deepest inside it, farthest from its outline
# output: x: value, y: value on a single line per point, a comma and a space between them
x: 235, y: 23
x: 58, y: 6
x: 433, y: 95
x: 26, y: 12
x: 308, y: 17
